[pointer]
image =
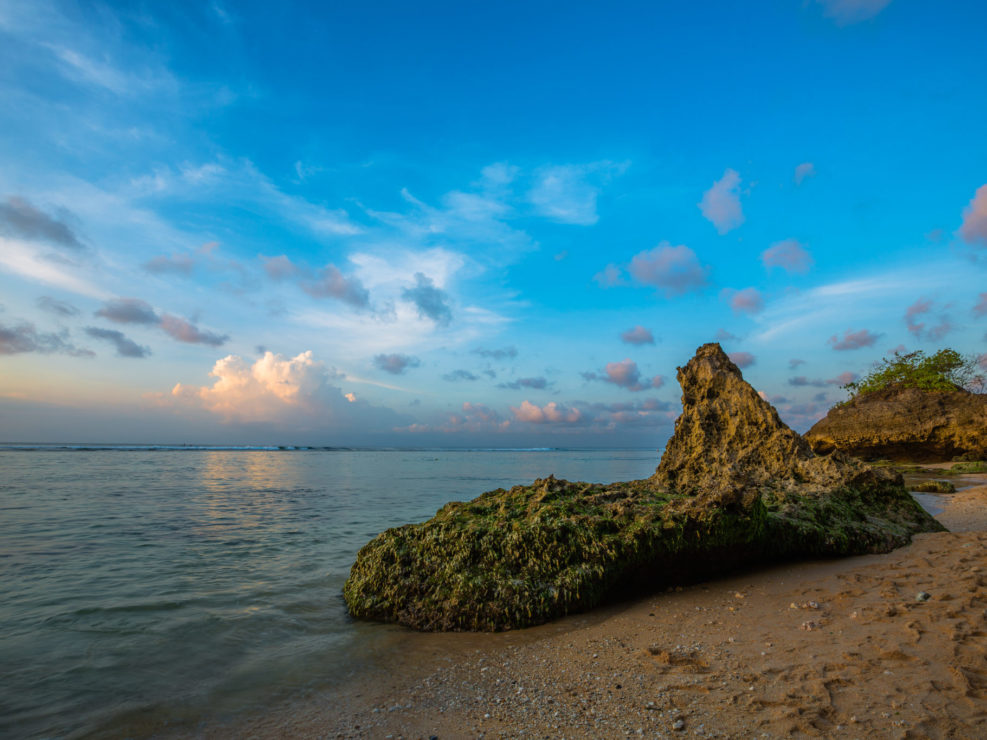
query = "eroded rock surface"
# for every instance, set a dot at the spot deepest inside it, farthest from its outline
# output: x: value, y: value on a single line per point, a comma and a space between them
x: 735, y: 485
x: 906, y: 425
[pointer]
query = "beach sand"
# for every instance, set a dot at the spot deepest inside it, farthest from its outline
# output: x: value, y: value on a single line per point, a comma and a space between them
x: 841, y: 648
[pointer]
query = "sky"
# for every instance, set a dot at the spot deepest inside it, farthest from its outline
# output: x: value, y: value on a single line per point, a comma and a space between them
x: 475, y: 224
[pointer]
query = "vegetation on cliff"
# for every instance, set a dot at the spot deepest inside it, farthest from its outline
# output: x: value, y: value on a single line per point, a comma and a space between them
x: 946, y: 370
x: 735, y: 485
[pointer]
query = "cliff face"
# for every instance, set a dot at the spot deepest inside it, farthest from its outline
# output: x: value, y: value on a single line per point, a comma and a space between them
x: 906, y: 424
x: 735, y: 485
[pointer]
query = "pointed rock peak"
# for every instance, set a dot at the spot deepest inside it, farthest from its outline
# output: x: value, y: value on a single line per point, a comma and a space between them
x: 727, y: 434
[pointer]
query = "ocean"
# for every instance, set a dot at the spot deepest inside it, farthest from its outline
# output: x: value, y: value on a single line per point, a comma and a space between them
x: 161, y: 586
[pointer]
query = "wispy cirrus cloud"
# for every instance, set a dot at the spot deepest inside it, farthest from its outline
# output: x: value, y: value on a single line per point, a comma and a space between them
x: 720, y: 204
x: 568, y: 193
x: 849, y: 12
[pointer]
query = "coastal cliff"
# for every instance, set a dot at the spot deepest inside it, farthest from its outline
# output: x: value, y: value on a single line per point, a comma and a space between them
x: 735, y: 485
x: 906, y: 424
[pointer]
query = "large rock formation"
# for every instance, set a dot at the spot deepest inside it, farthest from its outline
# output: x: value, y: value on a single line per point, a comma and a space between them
x: 735, y: 485
x: 906, y: 424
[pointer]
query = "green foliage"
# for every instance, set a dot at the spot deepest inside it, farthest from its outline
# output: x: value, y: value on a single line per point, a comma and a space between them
x: 969, y: 467
x: 946, y: 370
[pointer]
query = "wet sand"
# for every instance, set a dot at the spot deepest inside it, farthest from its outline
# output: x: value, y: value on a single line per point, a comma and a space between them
x: 844, y: 648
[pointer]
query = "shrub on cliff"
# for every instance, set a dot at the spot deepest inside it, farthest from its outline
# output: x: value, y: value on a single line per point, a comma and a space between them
x: 946, y: 370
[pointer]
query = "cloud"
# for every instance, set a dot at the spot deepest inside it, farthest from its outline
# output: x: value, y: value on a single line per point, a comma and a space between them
x: 637, y: 335
x: 748, y: 300
x: 721, y: 203
x: 57, y: 307
x: 568, y: 193
x: 137, y: 311
x: 625, y: 374
x: 503, y: 353
x: 918, y: 328
x: 848, y: 12
x: 176, y: 264
x: 19, y: 218
x: 457, y: 375
x: 853, y: 340
x: 980, y: 309
x: 609, y: 276
x: 296, y: 391
x: 794, y: 363
x: 280, y: 267
x: 550, y: 413
x: 129, y: 311
x: 125, y: 347
x: 329, y: 282
x: 184, y: 331
x: 535, y: 383
x: 395, y: 364
x: 430, y: 301
x: 840, y: 380
x: 974, y: 227
x: 803, y: 171
x: 789, y: 255
x: 742, y: 359
x: 722, y: 335
x: 674, y: 270
x: 24, y: 337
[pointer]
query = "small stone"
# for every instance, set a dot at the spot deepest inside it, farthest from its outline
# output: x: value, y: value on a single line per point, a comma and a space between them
x: 678, y: 725
x: 923, y: 596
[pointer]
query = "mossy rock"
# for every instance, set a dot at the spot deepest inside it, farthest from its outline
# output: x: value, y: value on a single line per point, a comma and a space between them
x: 734, y: 486
x: 521, y: 557
x: 932, y: 486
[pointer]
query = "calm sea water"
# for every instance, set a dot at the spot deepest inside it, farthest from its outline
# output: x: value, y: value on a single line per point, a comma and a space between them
x: 176, y: 584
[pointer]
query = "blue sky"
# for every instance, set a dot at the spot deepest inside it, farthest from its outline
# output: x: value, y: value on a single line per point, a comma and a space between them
x: 459, y: 224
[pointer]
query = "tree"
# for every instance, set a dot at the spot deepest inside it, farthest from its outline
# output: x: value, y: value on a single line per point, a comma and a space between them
x: 946, y: 370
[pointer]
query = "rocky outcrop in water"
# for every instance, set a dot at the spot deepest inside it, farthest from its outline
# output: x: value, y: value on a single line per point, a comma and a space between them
x: 735, y: 485
x: 906, y: 424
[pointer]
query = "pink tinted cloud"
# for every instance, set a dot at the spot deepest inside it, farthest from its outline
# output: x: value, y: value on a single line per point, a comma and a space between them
x: 853, y: 340
x: 742, y: 359
x: 790, y: 255
x: 609, y: 276
x: 721, y: 203
x: 638, y: 335
x: 748, y: 300
x: 803, y: 171
x: 550, y: 413
x: 981, y: 308
x: 674, y: 270
x: 974, y: 227
x: 918, y: 328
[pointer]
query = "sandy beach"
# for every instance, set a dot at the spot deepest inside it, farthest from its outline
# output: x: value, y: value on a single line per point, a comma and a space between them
x: 879, y: 646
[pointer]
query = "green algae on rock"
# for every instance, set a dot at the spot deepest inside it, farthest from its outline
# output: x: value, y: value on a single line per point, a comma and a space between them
x: 735, y: 485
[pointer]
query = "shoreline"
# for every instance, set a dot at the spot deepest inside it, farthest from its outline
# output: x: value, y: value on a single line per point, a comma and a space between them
x: 781, y: 651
